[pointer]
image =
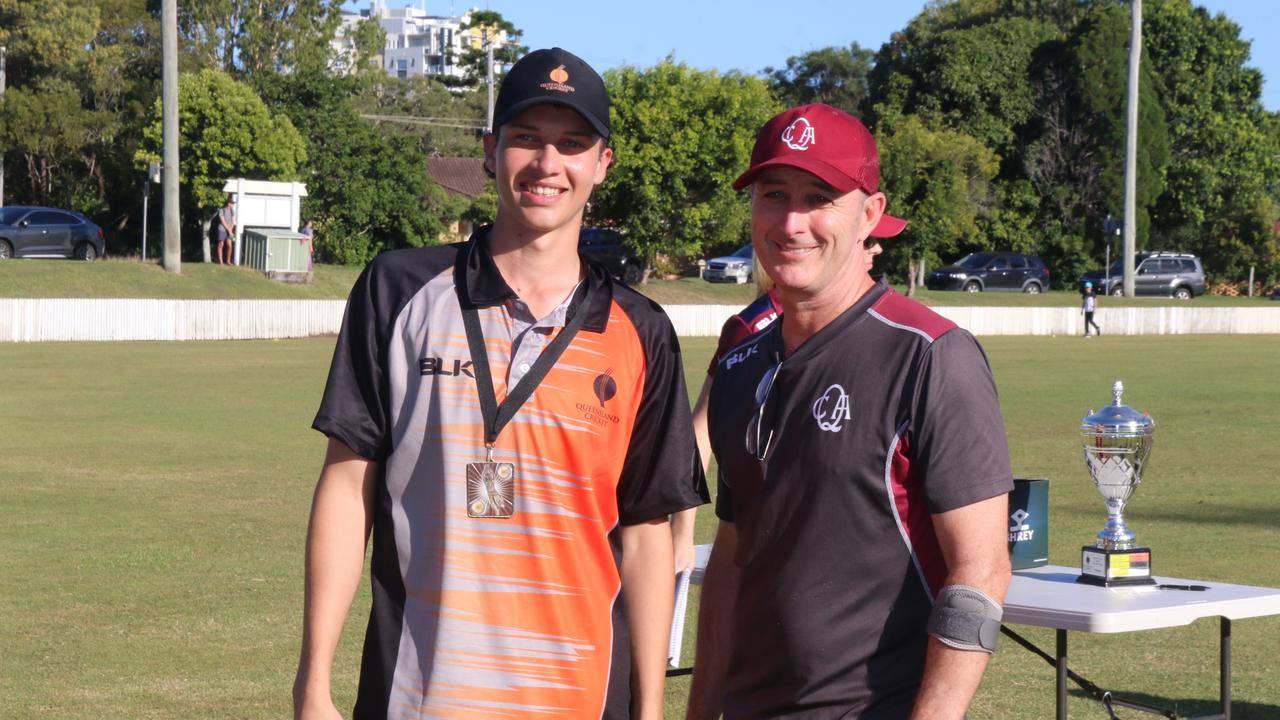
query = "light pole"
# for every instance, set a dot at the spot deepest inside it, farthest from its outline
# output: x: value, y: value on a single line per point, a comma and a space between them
x: 169, y: 123
x: 1131, y: 149
x: 2, y: 52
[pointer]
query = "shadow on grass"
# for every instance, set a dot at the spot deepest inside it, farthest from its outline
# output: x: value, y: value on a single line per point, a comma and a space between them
x: 1184, y: 708
x: 1218, y: 512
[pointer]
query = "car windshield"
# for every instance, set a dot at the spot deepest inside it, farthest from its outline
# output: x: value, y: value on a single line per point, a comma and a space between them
x: 743, y: 252
x: 9, y: 216
x: 974, y: 261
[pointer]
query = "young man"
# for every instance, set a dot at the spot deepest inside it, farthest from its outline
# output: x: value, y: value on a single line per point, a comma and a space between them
x: 861, y: 555
x: 522, y: 558
x: 226, y: 232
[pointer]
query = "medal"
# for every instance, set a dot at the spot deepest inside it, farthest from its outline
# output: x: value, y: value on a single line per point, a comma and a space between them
x: 491, y: 488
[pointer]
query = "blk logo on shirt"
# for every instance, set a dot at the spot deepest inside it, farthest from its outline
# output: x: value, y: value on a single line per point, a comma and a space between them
x: 831, y: 409
x: 440, y: 366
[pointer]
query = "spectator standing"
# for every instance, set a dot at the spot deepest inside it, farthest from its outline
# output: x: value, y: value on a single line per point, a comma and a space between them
x: 1088, y: 305
x: 309, y: 232
x: 226, y: 232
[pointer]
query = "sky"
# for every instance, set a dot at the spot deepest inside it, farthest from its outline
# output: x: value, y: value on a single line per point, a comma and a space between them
x: 750, y: 35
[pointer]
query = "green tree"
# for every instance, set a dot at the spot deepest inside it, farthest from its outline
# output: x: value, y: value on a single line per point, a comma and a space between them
x: 441, y: 121
x: 80, y: 76
x: 225, y: 132
x: 246, y: 37
x: 367, y: 192
x: 1225, y: 164
x: 680, y: 137
x: 938, y: 179
x: 835, y: 76
x: 489, y: 26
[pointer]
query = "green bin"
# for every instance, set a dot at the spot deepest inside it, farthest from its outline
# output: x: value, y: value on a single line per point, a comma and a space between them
x: 280, y: 253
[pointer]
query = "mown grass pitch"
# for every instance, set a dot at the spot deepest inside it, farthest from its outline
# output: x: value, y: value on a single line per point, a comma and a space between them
x: 155, y: 501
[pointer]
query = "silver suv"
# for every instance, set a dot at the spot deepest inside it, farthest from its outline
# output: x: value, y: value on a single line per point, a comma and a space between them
x: 1170, y: 274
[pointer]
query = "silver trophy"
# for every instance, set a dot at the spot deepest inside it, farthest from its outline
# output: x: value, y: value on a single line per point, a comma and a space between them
x: 1117, y: 442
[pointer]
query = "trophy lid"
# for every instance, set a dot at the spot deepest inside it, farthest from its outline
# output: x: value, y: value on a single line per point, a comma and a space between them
x: 1118, y: 418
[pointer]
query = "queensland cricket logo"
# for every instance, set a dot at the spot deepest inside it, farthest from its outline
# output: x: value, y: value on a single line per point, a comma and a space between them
x: 605, y: 387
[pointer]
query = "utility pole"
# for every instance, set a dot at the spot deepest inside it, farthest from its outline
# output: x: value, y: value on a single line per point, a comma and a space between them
x: 169, y: 122
x: 488, y: 47
x: 1131, y: 149
x: 2, y: 54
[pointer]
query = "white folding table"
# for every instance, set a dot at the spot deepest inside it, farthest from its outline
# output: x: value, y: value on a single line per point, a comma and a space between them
x: 1051, y: 597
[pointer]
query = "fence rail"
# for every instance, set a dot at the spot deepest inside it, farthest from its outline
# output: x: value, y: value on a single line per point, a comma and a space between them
x: 46, y: 320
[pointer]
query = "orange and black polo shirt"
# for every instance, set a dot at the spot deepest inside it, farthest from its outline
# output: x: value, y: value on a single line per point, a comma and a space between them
x: 520, y: 617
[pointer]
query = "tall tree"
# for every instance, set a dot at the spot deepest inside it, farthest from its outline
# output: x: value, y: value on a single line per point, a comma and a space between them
x: 1225, y: 163
x: 835, y: 76
x: 366, y: 192
x: 80, y: 76
x: 226, y: 132
x: 245, y: 37
x: 1100, y: 59
x: 488, y: 26
x: 938, y: 179
x: 680, y: 137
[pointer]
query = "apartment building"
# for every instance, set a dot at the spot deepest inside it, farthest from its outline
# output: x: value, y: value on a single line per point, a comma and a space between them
x: 418, y: 43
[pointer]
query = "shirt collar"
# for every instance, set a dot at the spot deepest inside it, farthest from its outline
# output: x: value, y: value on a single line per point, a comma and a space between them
x: 480, y: 284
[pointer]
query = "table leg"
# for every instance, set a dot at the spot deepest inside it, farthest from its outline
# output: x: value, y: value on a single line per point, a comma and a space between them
x: 1061, y: 702
x: 1224, y: 668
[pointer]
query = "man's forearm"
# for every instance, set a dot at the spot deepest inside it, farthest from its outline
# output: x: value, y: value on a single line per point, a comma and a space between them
x: 336, y: 540
x: 951, y: 678
x: 648, y: 586
x: 973, y: 540
x: 715, y: 622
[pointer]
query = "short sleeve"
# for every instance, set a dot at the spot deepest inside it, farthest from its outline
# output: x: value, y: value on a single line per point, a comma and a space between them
x: 735, y: 330
x: 355, y: 407
x: 662, y: 473
x: 957, y: 429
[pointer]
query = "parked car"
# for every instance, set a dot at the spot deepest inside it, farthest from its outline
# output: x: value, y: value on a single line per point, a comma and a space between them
x: 1006, y: 271
x: 41, y: 232
x: 735, y: 268
x: 1172, y: 274
x: 608, y: 247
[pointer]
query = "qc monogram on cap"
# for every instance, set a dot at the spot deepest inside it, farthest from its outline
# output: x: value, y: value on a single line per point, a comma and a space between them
x: 799, y: 134
x: 559, y: 77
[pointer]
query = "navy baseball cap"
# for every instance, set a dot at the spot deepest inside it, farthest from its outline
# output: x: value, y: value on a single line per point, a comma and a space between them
x: 554, y: 76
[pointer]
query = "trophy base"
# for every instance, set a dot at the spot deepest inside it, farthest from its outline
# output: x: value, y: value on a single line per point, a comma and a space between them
x: 1110, y: 568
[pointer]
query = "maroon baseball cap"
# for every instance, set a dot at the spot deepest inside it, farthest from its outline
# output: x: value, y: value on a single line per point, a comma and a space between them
x: 828, y: 143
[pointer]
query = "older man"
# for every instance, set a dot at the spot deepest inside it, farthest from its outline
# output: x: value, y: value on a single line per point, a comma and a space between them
x: 861, y: 555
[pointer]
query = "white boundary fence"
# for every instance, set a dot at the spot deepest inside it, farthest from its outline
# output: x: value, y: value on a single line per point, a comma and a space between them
x: 45, y: 320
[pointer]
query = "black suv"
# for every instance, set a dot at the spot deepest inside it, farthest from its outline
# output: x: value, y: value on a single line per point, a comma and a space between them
x: 1007, y: 271
x: 608, y: 248
x: 1171, y: 274
x: 41, y: 232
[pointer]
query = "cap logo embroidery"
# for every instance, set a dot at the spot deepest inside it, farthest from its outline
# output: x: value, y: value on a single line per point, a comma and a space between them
x: 558, y: 78
x: 799, y: 135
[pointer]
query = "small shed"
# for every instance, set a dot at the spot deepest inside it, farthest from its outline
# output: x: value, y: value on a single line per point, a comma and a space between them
x: 268, y: 215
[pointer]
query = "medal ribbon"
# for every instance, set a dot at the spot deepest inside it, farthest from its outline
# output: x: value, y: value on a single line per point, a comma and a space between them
x: 497, y: 416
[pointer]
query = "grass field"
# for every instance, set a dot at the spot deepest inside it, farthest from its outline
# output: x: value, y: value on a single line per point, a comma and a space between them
x: 203, y: 281
x: 155, y: 500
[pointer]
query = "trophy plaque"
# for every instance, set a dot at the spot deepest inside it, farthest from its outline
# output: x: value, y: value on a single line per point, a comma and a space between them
x: 1117, y: 441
